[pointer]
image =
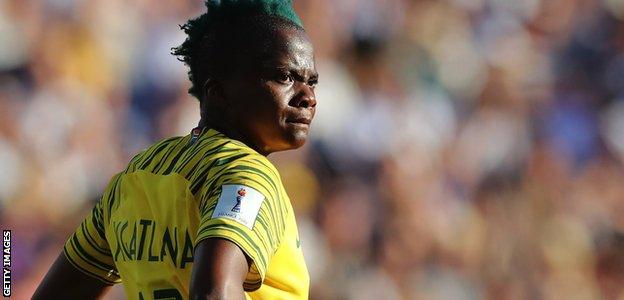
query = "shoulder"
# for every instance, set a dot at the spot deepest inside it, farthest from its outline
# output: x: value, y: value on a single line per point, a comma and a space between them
x: 163, y: 143
x: 236, y: 157
x: 222, y: 161
x: 250, y: 163
x: 152, y: 154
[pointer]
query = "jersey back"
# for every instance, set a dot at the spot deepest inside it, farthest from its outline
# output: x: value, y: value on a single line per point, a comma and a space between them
x: 173, y: 195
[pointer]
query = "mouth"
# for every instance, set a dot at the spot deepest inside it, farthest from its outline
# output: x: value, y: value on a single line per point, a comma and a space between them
x: 300, y: 121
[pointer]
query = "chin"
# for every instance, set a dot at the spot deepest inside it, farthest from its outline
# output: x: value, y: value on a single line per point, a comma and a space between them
x: 299, y: 138
x: 295, y: 140
x: 288, y: 140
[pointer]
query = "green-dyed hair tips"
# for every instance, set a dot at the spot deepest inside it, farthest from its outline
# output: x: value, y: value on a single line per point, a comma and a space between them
x: 219, y: 9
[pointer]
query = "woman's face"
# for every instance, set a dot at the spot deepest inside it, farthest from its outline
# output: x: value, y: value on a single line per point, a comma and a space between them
x: 271, y: 101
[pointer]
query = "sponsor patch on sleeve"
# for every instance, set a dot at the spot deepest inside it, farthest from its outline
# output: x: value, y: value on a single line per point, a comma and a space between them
x: 239, y: 203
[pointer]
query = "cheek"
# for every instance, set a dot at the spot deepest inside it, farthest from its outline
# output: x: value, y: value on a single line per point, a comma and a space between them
x: 277, y: 98
x: 256, y: 101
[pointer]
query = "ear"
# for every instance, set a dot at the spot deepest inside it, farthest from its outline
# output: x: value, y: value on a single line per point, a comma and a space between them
x: 213, y: 94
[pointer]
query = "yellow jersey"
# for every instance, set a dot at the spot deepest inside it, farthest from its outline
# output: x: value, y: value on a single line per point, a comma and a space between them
x: 176, y: 193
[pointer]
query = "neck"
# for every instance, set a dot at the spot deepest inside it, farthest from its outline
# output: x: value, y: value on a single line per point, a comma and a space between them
x: 230, y: 133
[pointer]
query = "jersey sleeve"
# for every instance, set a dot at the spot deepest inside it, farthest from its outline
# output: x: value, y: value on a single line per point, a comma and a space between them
x: 87, y: 248
x: 244, y: 205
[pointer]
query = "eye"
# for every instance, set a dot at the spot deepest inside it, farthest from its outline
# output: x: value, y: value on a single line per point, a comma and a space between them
x: 313, y: 82
x: 284, y: 78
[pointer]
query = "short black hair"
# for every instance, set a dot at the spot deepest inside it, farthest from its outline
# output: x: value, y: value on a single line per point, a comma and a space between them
x: 211, y: 44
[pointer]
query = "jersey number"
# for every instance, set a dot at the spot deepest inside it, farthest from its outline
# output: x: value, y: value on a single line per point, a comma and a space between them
x: 164, y: 294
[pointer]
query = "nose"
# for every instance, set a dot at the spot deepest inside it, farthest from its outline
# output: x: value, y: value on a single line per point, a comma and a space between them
x: 305, y: 98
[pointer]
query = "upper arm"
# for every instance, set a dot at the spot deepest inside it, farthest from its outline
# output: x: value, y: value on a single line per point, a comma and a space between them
x: 220, y: 268
x: 64, y: 281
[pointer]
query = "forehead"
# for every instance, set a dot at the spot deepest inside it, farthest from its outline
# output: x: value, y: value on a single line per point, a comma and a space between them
x: 288, y: 47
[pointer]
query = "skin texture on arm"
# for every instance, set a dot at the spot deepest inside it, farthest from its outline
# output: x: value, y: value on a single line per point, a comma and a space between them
x: 219, y: 270
x: 64, y: 281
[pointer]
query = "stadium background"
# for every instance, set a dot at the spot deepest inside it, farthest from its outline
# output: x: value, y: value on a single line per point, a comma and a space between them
x: 463, y: 149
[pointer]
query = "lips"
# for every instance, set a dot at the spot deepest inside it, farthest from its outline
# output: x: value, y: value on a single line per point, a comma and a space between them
x: 300, y: 120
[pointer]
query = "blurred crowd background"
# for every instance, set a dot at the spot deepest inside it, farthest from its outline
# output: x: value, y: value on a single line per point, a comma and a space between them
x: 462, y: 149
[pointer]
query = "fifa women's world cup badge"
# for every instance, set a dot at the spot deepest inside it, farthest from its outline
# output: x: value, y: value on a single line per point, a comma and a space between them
x: 239, y: 203
x: 241, y: 194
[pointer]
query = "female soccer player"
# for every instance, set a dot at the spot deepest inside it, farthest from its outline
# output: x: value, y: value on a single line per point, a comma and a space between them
x: 205, y: 216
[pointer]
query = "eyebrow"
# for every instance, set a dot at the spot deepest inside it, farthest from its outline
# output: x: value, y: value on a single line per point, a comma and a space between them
x: 298, y: 72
